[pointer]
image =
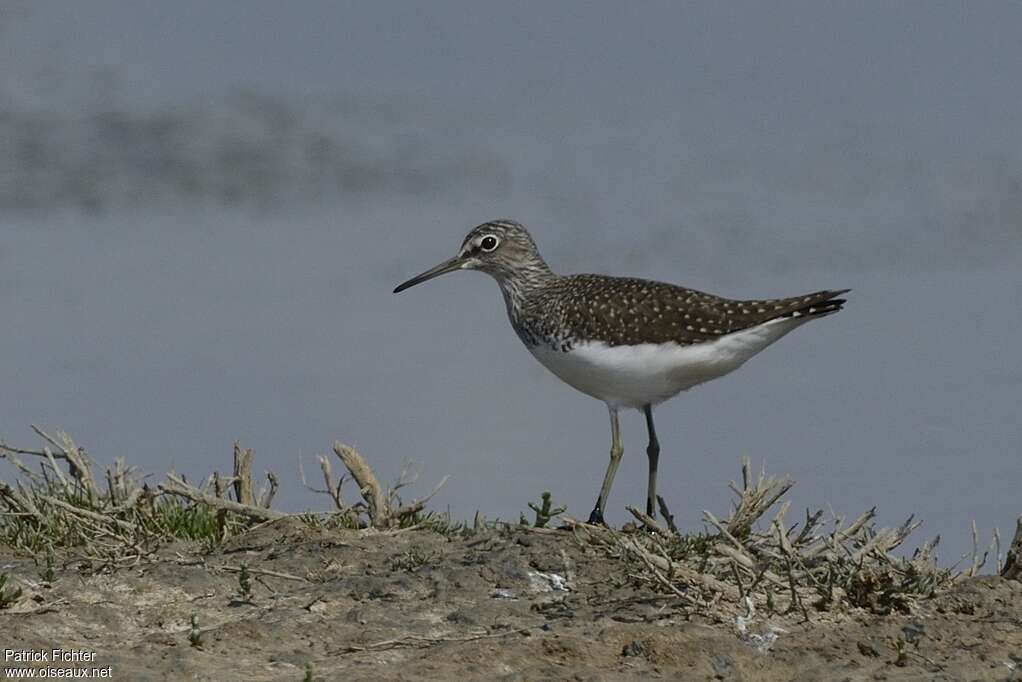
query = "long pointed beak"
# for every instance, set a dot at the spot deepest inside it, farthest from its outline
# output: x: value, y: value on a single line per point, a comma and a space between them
x: 447, y: 266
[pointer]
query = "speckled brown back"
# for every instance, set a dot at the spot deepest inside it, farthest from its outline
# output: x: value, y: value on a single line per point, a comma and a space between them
x: 627, y: 311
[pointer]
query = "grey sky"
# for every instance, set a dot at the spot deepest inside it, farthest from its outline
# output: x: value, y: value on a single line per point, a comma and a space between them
x: 182, y: 264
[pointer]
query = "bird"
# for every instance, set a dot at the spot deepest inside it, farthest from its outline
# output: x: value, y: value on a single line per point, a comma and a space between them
x: 631, y: 343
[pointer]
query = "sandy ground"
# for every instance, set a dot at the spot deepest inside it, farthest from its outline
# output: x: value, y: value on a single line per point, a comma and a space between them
x: 511, y: 604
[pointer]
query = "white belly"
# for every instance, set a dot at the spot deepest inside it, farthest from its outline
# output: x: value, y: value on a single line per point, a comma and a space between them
x: 648, y: 374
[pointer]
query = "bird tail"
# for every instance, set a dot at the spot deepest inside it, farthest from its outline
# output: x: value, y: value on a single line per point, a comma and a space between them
x: 818, y: 305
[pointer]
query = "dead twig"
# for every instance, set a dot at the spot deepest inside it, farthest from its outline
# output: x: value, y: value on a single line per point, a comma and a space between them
x: 977, y: 560
x: 260, y: 571
x: 678, y: 570
x: 11, y: 454
x: 423, y: 641
x: 1012, y: 569
x: 16, y: 500
x: 648, y: 521
x: 182, y: 489
x: 243, y: 475
x: 416, y: 506
x: 78, y: 462
x: 754, y: 499
x: 267, y: 494
x: 671, y: 587
x: 332, y: 489
x: 95, y: 516
x: 368, y: 485
x: 380, y: 506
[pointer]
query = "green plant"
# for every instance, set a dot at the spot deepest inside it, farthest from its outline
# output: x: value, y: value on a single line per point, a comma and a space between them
x: 343, y: 520
x: 410, y: 560
x: 48, y: 573
x: 8, y: 596
x: 244, y: 584
x: 195, y: 634
x: 545, y: 510
x: 442, y: 523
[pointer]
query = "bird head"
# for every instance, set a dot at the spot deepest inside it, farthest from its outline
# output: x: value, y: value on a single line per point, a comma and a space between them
x: 500, y: 248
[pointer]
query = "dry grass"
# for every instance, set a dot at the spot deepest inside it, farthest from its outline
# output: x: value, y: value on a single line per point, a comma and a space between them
x: 117, y: 519
x: 753, y: 558
x: 62, y: 504
x: 765, y: 563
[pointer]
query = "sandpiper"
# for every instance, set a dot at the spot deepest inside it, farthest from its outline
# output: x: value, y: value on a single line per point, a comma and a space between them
x: 632, y: 343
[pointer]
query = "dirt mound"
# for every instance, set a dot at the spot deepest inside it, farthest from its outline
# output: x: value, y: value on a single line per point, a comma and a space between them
x: 507, y: 603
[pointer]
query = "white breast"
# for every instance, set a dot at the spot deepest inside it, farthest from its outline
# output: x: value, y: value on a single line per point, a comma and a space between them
x: 647, y: 374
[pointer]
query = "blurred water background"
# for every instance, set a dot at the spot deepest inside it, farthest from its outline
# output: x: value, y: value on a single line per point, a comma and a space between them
x: 203, y: 209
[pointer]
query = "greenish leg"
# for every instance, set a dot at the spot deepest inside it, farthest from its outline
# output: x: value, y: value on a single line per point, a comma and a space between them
x: 616, y: 450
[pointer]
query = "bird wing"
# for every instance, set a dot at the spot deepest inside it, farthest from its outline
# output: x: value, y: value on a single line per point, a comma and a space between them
x: 629, y: 311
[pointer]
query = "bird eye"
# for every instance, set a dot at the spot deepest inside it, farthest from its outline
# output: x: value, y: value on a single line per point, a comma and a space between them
x: 489, y: 243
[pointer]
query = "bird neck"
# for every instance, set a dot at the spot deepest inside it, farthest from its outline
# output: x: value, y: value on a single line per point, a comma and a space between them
x: 524, y: 281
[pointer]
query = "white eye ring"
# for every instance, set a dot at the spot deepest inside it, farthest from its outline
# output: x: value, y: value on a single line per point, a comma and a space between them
x: 489, y: 243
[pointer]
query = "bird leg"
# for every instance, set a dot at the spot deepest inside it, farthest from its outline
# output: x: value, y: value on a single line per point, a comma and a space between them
x: 653, y: 453
x: 616, y: 450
